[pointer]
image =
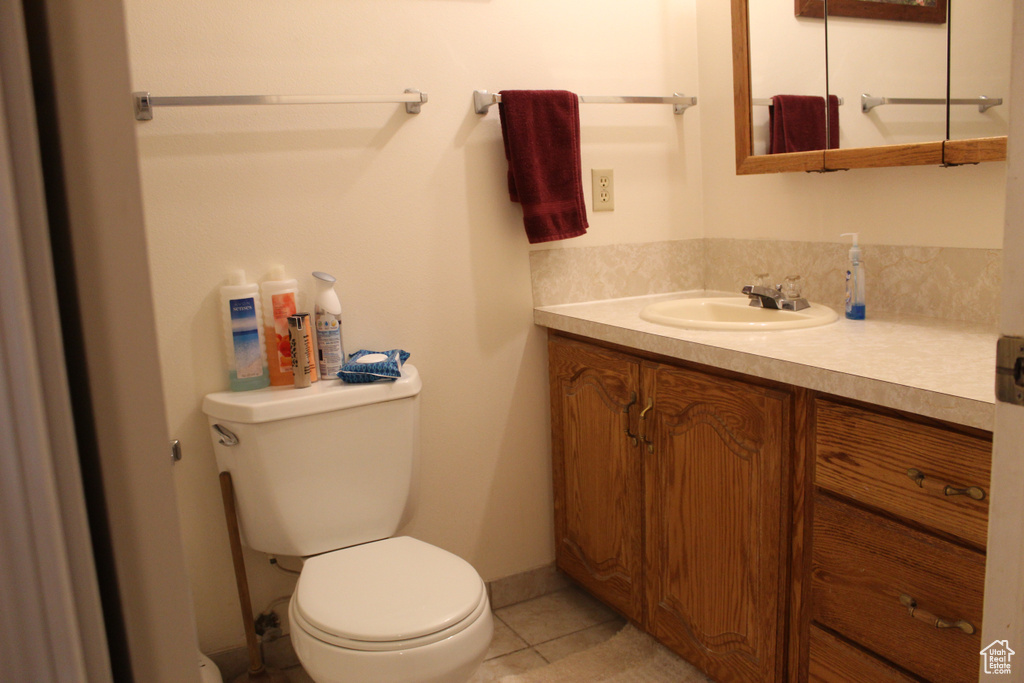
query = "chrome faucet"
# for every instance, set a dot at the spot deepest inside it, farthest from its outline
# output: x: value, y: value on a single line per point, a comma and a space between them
x: 777, y: 297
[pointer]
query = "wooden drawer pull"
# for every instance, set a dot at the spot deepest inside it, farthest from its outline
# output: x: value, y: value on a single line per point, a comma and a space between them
x: 929, y: 618
x: 975, y: 492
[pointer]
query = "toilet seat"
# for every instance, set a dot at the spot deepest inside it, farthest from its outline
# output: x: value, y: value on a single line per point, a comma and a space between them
x: 387, y: 595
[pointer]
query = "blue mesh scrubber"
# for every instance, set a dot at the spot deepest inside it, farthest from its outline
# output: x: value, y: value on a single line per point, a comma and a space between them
x: 373, y: 366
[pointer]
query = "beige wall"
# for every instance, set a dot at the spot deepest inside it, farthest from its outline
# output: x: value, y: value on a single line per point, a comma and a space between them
x: 410, y: 213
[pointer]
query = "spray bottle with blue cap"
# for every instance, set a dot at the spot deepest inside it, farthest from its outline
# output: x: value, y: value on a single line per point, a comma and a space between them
x: 855, y: 305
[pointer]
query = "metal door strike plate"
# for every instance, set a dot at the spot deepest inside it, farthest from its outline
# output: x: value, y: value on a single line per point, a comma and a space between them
x: 1010, y: 370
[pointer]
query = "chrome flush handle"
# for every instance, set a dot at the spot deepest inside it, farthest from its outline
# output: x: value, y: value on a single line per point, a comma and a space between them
x: 227, y: 437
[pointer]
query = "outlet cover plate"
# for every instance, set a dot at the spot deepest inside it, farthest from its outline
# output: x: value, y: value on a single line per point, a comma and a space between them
x: 603, y: 180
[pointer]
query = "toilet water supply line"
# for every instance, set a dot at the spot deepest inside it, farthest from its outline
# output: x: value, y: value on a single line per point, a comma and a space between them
x: 277, y: 565
x: 268, y: 614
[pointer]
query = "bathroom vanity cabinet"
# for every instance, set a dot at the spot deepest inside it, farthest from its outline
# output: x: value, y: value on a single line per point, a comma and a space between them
x: 671, y: 501
x: 767, y: 532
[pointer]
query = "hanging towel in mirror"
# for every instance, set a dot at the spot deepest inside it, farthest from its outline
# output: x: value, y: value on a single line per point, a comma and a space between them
x: 796, y: 123
x: 541, y: 130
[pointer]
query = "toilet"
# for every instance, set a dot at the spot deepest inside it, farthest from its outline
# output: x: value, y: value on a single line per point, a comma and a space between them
x: 326, y: 473
x: 208, y: 671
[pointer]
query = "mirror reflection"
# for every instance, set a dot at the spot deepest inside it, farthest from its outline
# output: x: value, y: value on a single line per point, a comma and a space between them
x: 787, y: 57
x: 889, y: 60
x: 894, y: 51
x: 980, y: 67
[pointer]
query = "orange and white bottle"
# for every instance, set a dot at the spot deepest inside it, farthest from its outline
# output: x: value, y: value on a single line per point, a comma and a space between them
x: 280, y: 300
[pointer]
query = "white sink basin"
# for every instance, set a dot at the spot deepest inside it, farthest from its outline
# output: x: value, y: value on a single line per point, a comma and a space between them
x: 733, y: 313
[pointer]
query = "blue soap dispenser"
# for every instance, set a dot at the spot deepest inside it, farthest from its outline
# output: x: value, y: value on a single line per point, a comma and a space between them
x: 855, y: 305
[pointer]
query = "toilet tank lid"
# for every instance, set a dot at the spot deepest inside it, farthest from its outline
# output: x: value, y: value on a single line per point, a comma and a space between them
x: 280, y: 403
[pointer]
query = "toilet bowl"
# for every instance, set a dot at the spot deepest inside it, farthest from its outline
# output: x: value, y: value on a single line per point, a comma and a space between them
x: 395, y: 611
x: 325, y: 473
x: 208, y: 671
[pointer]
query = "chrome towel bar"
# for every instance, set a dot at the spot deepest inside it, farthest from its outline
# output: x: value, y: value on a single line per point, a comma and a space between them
x: 483, y: 100
x: 867, y: 102
x: 767, y: 101
x: 144, y: 102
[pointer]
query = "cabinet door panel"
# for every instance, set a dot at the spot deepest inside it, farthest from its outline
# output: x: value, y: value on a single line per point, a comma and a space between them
x: 598, y: 472
x: 715, y: 505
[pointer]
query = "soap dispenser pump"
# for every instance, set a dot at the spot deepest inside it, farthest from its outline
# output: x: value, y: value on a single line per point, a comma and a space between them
x: 855, y: 304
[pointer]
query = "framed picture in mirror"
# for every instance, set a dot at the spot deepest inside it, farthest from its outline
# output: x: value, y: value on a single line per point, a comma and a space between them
x: 926, y: 11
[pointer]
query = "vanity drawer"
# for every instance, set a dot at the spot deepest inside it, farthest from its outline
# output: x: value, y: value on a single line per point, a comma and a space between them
x: 862, y: 566
x: 871, y: 457
x: 833, y: 660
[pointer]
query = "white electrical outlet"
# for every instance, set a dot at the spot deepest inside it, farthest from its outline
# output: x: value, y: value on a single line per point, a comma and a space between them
x: 604, y: 188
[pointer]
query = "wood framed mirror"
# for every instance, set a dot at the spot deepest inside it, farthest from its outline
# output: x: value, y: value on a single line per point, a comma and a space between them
x: 932, y: 153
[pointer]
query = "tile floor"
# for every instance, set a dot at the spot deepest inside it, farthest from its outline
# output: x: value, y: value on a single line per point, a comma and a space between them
x: 536, y: 632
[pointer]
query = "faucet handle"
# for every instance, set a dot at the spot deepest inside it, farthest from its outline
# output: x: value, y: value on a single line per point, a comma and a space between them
x: 791, y: 287
x: 763, y: 280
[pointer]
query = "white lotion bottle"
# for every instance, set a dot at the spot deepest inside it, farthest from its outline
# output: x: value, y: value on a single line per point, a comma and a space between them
x: 330, y: 351
x: 243, y: 334
x: 855, y: 304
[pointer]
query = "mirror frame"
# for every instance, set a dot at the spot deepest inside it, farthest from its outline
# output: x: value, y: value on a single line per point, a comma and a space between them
x: 939, y: 153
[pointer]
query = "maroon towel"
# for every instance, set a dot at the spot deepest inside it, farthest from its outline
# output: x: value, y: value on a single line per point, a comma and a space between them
x: 797, y: 123
x: 541, y: 129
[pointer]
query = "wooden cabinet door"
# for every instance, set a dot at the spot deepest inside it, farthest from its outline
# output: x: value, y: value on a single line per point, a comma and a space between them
x: 597, y: 472
x: 716, y: 506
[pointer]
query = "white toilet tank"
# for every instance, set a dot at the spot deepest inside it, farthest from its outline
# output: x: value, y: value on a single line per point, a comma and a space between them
x: 318, y: 468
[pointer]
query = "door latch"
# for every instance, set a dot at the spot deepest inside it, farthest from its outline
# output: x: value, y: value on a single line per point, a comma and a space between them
x: 1010, y: 370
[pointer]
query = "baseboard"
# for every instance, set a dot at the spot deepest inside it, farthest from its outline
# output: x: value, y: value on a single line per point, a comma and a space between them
x: 526, y: 586
x: 277, y: 654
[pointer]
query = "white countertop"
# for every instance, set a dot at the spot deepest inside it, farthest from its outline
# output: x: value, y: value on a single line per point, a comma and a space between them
x: 928, y: 366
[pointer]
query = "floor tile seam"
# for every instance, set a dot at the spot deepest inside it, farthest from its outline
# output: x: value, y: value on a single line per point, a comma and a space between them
x: 510, y: 628
x: 515, y: 652
x: 567, y: 633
